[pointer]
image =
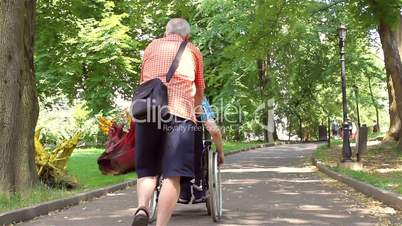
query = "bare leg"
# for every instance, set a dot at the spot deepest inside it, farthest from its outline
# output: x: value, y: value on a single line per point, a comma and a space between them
x: 167, y: 200
x: 145, y: 188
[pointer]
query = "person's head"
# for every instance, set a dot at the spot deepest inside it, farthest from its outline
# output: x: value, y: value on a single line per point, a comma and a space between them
x: 178, y: 26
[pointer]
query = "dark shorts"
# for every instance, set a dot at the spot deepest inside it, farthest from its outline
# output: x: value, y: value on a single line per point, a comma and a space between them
x: 165, y: 148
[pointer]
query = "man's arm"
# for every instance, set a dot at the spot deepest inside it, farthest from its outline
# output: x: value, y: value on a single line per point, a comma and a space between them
x: 199, y: 78
x: 216, y: 135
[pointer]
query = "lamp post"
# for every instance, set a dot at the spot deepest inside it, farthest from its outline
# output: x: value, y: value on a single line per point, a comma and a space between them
x: 346, y: 150
x: 357, y: 104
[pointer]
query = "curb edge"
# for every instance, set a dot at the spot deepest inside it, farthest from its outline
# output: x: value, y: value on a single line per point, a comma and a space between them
x: 31, y: 212
x: 389, y: 198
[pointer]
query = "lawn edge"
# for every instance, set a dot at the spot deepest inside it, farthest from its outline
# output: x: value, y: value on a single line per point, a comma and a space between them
x: 251, y: 148
x: 389, y: 198
x: 29, y: 213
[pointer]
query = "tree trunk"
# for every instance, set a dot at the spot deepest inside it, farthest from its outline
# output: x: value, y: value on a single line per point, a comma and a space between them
x: 301, y: 134
x: 275, y: 133
x: 329, y: 131
x: 373, y: 100
x: 395, y: 126
x: 238, y: 134
x: 265, y: 123
x: 395, y: 123
x: 18, y: 99
x: 393, y: 64
x: 399, y: 36
x: 271, y: 120
x: 399, y: 39
x: 261, y: 69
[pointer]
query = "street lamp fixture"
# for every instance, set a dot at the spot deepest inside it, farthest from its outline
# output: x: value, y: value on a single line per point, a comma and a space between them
x: 342, y: 30
x: 346, y: 150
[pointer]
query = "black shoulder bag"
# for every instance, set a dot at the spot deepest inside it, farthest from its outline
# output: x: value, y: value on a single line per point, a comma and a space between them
x: 151, y: 98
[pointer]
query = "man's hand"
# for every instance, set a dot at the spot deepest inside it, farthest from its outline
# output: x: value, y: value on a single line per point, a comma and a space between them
x: 215, y: 132
x: 221, y: 157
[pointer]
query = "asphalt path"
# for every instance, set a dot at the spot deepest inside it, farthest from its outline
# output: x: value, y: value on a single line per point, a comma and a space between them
x: 267, y: 186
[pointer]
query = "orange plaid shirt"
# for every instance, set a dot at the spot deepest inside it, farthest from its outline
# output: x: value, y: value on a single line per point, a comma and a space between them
x: 186, y: 88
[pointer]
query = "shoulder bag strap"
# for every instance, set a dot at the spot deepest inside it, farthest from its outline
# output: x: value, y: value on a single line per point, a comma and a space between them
x: 176, y: 61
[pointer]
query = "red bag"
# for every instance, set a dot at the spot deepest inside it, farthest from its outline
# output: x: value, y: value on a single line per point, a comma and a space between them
x: 119, y: 156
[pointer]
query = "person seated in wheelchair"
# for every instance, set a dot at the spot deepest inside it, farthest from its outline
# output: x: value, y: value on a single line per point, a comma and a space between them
x: 205, y: 118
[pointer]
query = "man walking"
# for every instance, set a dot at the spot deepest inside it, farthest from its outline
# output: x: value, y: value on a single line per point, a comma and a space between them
x: 168, y: 150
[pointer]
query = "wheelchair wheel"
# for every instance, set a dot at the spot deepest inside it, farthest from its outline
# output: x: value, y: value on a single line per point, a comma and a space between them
x: 206, y: 176
x: 153, y: 203
x: 208, y: 207
x: 214, y: 189
x: 152, y: 206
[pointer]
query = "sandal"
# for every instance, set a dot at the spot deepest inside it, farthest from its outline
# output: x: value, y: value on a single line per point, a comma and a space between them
x: 141, y: 219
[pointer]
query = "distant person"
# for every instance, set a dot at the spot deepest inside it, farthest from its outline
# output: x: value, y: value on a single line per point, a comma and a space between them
x: 168, y: 150
x: 375, y: 127
x: 334, y: 128
x: 353, y: 129
x: 350, y: 128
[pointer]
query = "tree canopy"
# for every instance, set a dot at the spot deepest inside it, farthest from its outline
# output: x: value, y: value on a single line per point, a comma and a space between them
x: 254, y: 51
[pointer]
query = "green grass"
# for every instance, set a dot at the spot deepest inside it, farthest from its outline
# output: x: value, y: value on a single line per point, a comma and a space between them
x: 39, y: 194
x: 234, y: 146
x: 321, y: 152
x: 381, y: 165
x: 375, y: 136
x: 84, y: 167
x: 81, y: 165
x: 392, y: 181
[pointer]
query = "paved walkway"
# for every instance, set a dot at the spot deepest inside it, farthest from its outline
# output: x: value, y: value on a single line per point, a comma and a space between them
x: 270, y: 186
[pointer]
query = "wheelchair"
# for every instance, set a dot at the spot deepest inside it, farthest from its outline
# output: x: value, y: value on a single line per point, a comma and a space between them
x: 211, y: 183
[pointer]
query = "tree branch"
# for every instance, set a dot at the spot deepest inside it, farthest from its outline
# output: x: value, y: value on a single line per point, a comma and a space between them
x: 329, y: 6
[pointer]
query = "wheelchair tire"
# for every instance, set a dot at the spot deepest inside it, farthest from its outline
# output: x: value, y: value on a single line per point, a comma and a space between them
x: 153, y: 203
x: 209, y: 211
x: 214, y: 189
x: 206, y: 176
x: 152, y: 207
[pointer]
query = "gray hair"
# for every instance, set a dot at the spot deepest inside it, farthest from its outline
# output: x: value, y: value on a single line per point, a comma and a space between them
x: 178, y: 26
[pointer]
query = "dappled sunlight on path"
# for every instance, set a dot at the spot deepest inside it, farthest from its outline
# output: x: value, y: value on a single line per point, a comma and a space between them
x: 277, y: 169
x: 269, y: 186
